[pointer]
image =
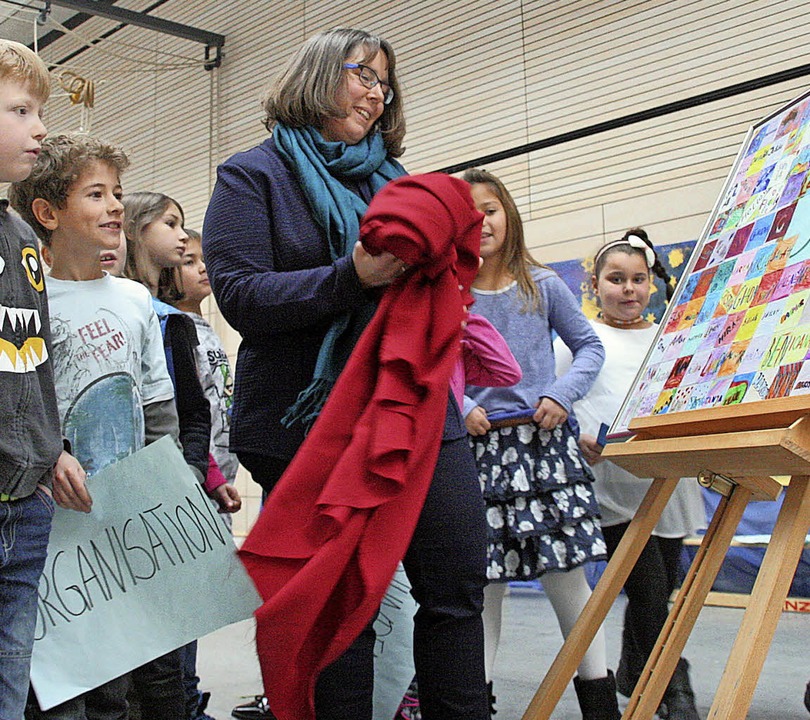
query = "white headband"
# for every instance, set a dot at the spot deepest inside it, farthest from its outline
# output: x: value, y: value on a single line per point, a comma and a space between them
x: 633, y: 241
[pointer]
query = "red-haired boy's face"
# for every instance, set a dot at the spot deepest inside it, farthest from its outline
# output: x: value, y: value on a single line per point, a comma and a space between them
x: 21, y: 130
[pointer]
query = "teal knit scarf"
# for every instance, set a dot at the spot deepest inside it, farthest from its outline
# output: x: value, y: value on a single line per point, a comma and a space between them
x: 320, y: 166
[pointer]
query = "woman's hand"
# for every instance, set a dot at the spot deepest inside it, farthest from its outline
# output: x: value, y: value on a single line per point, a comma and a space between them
x: 476, y: 421
x: 376, y: 270
x: 591, y: 450
x: 549, y: 414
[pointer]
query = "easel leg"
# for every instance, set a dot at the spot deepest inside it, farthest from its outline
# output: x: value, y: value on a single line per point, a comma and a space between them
x: 688, y: 603
x: 601, y: 600
x: 778, y: 567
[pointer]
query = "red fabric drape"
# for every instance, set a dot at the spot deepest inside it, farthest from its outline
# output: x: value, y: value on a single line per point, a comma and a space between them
x: 330, y: 536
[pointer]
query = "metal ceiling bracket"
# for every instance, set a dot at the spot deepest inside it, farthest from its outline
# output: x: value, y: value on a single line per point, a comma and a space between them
x: 107, y: 10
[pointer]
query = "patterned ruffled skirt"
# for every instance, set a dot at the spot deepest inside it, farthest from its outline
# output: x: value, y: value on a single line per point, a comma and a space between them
x: 542, y: 512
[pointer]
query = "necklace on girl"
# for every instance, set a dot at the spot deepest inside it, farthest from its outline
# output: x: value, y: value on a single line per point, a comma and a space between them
x: 623, y: 323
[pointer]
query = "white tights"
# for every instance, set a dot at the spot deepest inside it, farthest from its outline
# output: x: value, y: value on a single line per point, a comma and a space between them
x: 568, y: 593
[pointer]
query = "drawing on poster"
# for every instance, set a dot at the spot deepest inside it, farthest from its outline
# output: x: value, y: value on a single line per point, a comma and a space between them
x: 738, y: 328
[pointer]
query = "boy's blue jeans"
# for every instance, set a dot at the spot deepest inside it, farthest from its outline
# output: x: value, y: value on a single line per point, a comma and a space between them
x: 24, y: 529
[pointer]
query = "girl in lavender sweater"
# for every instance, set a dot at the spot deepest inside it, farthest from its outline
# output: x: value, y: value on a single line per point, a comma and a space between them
x: 543, y: 518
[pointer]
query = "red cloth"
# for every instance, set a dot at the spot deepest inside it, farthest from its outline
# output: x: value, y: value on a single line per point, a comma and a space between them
x: 331, y: 533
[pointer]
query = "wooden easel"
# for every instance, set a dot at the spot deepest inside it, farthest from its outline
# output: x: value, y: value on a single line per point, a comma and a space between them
x: 734, y: 450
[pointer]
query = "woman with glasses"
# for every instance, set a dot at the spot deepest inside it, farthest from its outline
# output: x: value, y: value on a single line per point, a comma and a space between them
x: 288, y: 273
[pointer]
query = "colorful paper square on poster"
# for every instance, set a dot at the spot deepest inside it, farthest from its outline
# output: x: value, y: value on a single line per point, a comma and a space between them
x: 802, y: 385
x: 767, y: 285
x: 740, y: 240
x: 717, y: 392
x: 695, y: 341
x: 759, y: 205
x: 762, y: 228
x: 793, y: 311
x: 752, y: 360
x: 721, y: 247
x: 799, y: 345
x: 784, y: 246
x: 790, y: 276
x: 738, y: 389
x: 760, y: 264
x: 728, y: 301
x: 770, y: 318
x: 783, y: 381
x: 721, y: 277
x: 750, y: 321
x: 677, y: 372
x: 675, y: 346
x: 781, y: 222
x: 704, y: 282
x: 663, y: 402
x: 729, y: 331
x: 733, y: 358
x: 704, y: 255
x: 690, y: 313
x: 793, y: 187
x: 760, y: 385
x: 742, y: 267
x: 694, y: 373
x: 647, y: 405
x: 713, y: 330
x: 776, y: 352
x: 687, y: 291
x: 763, y: 180
x: 680, y: 400
x: 800, y: 227
x: 675, y: 317
x: 744, y: 296
x: 803, y: 283
x: 698, y: 396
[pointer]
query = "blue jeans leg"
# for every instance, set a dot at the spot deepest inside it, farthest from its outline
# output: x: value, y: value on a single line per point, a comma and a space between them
x: 191, y: 681
x: 24, y: 528
x: 158, y: 685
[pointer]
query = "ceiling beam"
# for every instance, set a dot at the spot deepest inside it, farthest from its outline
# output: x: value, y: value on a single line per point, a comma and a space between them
x: 107, y: 10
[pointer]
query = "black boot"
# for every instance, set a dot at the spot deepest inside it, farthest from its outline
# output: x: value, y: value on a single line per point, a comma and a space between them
x: 492, y: 699
x: 679, y: 700
x: 631, y: 663
x: 597, y: 698
x: 807, y: 697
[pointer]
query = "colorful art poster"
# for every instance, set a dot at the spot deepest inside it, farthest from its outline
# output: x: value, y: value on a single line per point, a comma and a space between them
x: 744, y: 292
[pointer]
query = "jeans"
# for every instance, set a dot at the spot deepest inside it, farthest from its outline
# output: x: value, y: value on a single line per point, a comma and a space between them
x: 158, y: 687
x: 106, y: 702
x: 24, y: 529
x: 191, y: 681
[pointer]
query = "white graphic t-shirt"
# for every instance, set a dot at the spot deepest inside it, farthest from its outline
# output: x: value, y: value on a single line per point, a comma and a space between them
x: 217, y: 384
x: 108, y: 362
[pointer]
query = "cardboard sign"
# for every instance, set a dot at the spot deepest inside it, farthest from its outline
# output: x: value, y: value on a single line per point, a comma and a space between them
x: 151, y: 568
x: 393, y: 653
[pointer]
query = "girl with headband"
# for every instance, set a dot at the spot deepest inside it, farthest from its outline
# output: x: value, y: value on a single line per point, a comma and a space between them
x: 622, y: 284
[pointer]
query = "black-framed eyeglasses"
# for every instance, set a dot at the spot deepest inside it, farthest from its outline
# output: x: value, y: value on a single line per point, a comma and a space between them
x: 370, y: 79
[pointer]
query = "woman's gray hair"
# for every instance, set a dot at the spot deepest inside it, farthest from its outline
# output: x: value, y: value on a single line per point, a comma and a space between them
x: 306, y: 90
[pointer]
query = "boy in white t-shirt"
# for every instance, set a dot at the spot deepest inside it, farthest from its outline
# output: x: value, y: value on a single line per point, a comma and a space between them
x: 113, y: 389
